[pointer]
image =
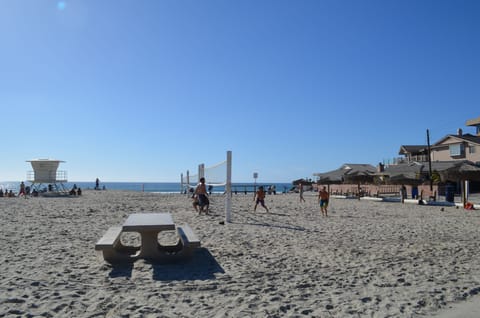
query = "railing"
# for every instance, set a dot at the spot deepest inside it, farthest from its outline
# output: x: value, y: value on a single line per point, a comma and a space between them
x: 59, y: 176
x: 401, y: 160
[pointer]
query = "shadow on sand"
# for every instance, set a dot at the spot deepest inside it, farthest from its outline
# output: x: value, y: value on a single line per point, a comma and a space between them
x: 201, y: 266
x: 121, y: 270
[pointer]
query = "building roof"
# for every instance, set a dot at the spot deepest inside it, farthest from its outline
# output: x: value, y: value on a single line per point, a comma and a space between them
x: 353, y: 170
x: 412, y: 149
x: 353, y: 167
x: 473, y: 122
x: 45, y: 160
x: 465, y: 137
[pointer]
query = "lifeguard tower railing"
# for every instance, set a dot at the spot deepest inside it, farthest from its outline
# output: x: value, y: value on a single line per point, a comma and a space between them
x: 51, y: 177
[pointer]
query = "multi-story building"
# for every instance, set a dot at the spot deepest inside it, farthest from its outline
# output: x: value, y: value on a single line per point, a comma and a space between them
x: 450, y: 148
x: 460, y: 146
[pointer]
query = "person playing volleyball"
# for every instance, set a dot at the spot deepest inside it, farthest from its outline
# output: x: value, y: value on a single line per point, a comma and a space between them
x: 201, y: 193
x: 260, y: 196
x: 323, y: 197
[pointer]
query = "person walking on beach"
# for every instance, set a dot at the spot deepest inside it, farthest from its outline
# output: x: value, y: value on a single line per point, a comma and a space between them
x: 260, y: 198
x: 300, y: 190
x: 323, y: 197
x: 201, y: 193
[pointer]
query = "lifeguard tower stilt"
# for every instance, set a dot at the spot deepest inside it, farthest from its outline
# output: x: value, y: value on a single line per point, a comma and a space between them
x: 45, y: 173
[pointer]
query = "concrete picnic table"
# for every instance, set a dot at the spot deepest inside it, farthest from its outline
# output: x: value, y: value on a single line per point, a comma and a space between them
x: 148, y: 225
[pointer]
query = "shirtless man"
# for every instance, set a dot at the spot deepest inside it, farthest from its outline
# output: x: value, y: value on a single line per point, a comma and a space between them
x: 323, y: 197
x: 201, y: 193
x: 260, y: 198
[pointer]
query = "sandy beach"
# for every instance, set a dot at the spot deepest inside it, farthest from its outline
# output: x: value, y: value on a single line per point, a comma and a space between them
x: 367, y: 259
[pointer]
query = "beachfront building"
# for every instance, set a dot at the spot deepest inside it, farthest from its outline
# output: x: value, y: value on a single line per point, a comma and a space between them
x: 453, y: 152
x: 458, y: 147
x: 454, y: 160
x: 452, y: 147
x: 412, y: 153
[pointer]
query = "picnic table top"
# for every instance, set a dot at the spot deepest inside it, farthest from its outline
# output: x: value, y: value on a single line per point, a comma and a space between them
x: 149, y: 221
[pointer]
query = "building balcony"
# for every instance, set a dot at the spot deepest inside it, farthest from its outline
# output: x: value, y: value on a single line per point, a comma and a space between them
x: 407, y: 160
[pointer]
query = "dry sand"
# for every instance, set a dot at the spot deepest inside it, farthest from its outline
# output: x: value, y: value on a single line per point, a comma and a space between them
x: 367, y: 259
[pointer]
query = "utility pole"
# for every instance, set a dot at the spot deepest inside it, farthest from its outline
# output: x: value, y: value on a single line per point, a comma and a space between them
x: 429, y: 161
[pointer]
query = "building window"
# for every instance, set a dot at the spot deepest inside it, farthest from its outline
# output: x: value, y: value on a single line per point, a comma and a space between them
x: 456, y: 150
x: 472, y: 149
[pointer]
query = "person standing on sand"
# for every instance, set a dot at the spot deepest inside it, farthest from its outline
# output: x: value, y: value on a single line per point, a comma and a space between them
x: 22, y: 189
x: 300, y: 190
x: 201, y: 193
x: 260, y: 198
x: 323, y: 197
x: 403, y: 193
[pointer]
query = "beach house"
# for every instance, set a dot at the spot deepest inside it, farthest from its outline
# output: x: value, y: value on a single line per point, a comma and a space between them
x: 459, y: 146
x: 446, y: 154
x: 452, y: 147
x: 454, y: 159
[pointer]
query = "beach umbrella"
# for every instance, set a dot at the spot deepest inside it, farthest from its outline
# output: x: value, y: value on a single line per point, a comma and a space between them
x: 405, y: 178
x: 330, y: 177
x: 348, y: 173
x: 459, y: 171
x: 358, y: 177
x: 301, y: 181
x: 411, y: 174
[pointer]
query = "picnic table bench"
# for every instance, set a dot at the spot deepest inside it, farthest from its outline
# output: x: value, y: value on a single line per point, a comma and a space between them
x: 148, y: 225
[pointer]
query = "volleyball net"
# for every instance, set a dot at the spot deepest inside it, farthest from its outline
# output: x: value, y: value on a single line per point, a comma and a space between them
x: 218, y: 175
x: 189, y: 181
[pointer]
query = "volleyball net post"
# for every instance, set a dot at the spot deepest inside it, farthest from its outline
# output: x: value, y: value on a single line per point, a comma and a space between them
x: 228, y: 189
x: 181, y: 183
x: 201, y: 171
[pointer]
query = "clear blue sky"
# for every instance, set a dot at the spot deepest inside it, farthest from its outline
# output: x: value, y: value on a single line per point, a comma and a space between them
x: 130, y: 90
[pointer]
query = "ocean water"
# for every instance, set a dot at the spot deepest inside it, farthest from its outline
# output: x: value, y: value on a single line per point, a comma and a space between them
x: 160, y: 187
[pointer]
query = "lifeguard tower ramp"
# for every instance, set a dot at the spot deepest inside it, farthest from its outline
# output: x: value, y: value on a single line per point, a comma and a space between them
x: 45, y: 178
